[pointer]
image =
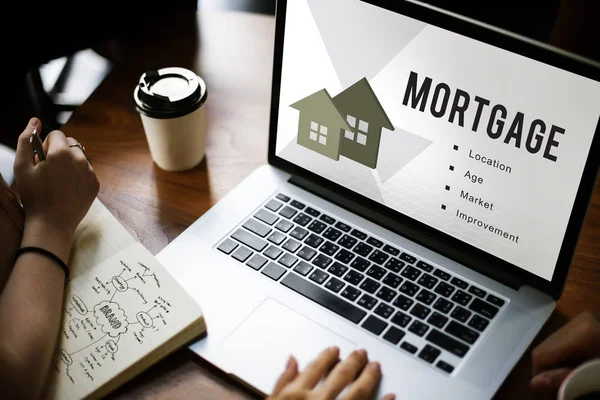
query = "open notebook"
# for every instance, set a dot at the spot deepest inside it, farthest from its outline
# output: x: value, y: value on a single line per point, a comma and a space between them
x: 123, y: 312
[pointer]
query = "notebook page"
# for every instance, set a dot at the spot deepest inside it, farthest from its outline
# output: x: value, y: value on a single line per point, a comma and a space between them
x: 115, y: 314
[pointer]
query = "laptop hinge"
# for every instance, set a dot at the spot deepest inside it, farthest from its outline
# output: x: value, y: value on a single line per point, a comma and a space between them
x: 512, y: 280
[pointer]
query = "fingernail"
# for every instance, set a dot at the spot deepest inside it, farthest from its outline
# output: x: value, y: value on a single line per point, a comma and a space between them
x: 362, y: 353
x: 541, y: 380
x: 33, y: 122
x: 290, y: 362
x: 376, y: 366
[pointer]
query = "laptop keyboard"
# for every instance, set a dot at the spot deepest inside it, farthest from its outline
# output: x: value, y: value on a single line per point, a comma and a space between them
x: 419, y: 308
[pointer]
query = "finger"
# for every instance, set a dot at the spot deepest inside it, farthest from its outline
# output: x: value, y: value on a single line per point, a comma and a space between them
x: 389, y: 396
x: 291, y: 372
x: 366, y: 384
x: 343, y: 374
x: 24, y: 153
x: 56, y: 141
x: 577, y: 341
x: 547, y: 383
x: 315, y: 371
x: 78, y: 152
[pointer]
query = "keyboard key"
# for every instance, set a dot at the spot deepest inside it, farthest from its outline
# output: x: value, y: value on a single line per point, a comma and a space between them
x: 273, y: 252
x: 358, y: 234
x: 360, y: 264
x: 273, y: 271
x: 344, y: 256
x: 338, y: 269
x: 374, y: 325
x: 447, y: 343
x: 424, y: 266
x: 401, y: 319
x: 351, y: 293
x: 441, y: 274
x: 375, y: 242
x: 324, y: 298
x: 312, y: 212
x: 267, y: 217
x: 459, y: 282
x: 273, y: 205
x: 329, y: 248
x: 299, y: 233
x: 444, y: 289
x: 483, y: 308
x: 403, y: 302
x: 477, y: 291
x: 249, y: 240
x: 437, y: 320
x: 306, y: 253
x: 332, y: 234
x: 428, y: 281
x: 418, y: 328
x: 287, y: 212
x: 367, y: 301
x: 354, y: 277
x: 347, y: 241
x: 462, y: 298
x: 256, y: 227
x: 362, y: 249
x: 391, y: 250
x: 314, y: 240
x: 426, y: 297
x: 376, y: 272
x: 409, y: 288
x: 462, y: 332
x: 303, y: 268
x: 478, y: 323
x: 395, y: 265
x: 386, y: 294
x: 408, y: 258
x: 384, y: 311
x: 444, y: 366
x: 302, y: 219
x: 227, y: 246
x: 322, y: 261
x: 242, y: 254
x: 283, y: 197
x: 256, y: 262
x: 412, y: 349
x: 460, y: 314
x: 318, y: 276
x: 369, y: 285
x: 335, y: 285
x: 498, y: 302
x: 288, y: 260
x: 317, y: 226
x: 420, y: 311
x: 411, y: 273
x: 297, y: 204
x: 429, y: 353
x: 378, y: 257
x: 394, y: 335
x: 291, y: 245
x: 284, y: 226
x: 277, y: 238
x: 392, y: 280
x: 343, y: 227
x: 328, y: 219
x: 443, y: 305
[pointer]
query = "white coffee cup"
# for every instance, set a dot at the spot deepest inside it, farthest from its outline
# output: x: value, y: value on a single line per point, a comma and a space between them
x: 171, y: 105
x: 582, y: 381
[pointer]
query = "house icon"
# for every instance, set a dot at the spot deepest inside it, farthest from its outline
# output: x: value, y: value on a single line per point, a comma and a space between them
x: 349, y: 124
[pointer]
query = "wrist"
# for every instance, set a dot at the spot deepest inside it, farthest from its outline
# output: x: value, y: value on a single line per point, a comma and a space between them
x: 52, y: 237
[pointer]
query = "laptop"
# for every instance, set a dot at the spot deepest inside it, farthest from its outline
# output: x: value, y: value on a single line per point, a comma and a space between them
x: 427, y: 180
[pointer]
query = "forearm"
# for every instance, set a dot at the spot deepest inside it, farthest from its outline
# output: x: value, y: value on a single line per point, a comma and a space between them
x: 30, y: 312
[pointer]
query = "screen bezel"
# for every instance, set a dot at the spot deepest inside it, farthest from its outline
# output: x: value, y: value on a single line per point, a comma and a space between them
x: 421, y: 233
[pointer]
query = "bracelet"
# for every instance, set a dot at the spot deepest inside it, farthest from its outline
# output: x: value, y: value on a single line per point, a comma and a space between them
x: 44, y: 253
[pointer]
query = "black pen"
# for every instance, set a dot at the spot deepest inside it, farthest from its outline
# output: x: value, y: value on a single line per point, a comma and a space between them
x: 36, y: 144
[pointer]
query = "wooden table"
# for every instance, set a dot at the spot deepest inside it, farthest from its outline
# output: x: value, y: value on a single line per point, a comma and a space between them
x: 233, y: 53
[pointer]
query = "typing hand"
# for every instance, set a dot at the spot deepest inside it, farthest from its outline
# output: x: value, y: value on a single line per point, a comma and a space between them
x: 560, y: 353
x: 355, y: 373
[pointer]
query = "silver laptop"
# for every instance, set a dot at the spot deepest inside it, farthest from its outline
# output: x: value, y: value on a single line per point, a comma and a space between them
x: 428, y: 177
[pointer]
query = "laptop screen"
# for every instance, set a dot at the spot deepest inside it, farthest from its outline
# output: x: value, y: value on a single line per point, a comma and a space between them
x: 477, y: 142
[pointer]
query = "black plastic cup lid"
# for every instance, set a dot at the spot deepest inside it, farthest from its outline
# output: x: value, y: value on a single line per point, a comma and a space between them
x: 169, y: 93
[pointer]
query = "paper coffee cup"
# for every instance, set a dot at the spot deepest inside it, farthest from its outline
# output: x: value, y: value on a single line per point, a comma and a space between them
x: 171, y: 105
x: 582, y: 383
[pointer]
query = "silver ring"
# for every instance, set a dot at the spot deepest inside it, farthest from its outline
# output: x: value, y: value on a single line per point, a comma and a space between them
x: 82, y: 149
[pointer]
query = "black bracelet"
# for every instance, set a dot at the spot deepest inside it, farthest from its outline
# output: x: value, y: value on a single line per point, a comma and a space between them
x: 44, y: 253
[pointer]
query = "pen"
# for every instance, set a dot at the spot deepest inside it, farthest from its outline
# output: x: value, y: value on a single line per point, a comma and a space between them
x: 36, y: 144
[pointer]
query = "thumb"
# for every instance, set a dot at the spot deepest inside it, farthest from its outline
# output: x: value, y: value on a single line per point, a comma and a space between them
x: 548, y: 382
x: 24, y: 154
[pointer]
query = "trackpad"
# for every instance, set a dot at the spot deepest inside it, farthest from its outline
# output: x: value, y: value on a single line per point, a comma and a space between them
x: 259, y: 347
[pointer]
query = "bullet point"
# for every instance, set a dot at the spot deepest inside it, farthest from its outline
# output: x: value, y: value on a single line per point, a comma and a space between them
x: 443, y: 207
x: 452, y: 168
x: 455, y: 147
x: 447, y: 187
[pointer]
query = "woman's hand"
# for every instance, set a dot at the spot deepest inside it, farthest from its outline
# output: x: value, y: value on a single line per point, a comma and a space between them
x: 355, y: 374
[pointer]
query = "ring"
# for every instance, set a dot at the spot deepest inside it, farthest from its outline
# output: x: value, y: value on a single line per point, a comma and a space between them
x: 82, y: 149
